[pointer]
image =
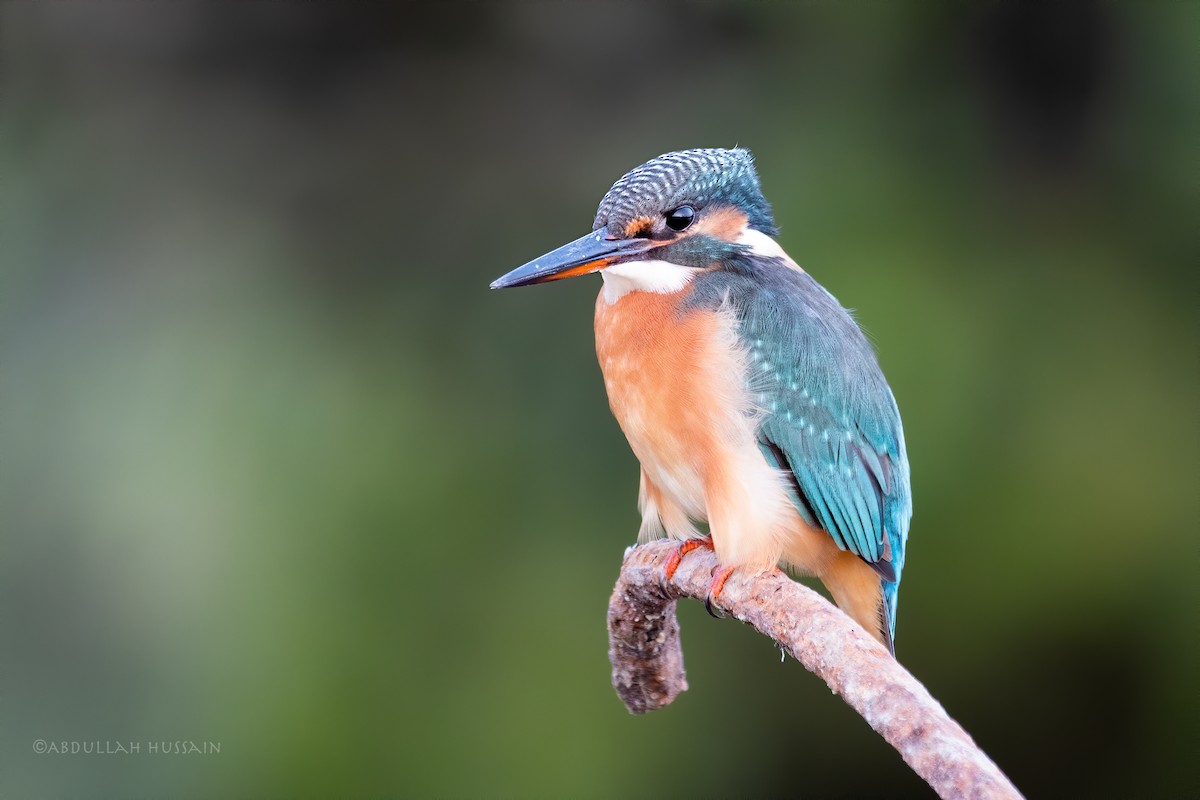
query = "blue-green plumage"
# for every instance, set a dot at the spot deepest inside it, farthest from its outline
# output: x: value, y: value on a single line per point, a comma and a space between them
x: 828, y: 416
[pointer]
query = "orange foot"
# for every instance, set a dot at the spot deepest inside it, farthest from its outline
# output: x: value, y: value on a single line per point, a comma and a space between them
x: 720, y: 575
x: 682, y: 550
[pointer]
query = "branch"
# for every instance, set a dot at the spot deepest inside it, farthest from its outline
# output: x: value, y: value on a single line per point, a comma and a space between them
x: 648, y: 661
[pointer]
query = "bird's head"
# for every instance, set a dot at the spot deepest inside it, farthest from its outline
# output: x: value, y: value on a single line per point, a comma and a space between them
x: 692, y: 208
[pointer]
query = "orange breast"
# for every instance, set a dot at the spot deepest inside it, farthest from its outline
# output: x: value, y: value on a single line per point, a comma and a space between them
x: 667, y: 377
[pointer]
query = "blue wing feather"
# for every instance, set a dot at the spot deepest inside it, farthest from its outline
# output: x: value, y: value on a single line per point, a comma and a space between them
x: 828, y: 416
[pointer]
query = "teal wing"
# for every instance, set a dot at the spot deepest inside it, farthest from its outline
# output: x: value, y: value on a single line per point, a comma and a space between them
x: 828, y: 417
x: 843, y: 479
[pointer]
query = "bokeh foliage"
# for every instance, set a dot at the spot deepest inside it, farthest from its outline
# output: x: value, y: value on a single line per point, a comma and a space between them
x: 280, y: 472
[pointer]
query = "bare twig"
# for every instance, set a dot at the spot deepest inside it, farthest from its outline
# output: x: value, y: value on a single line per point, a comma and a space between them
x: 648, y: 661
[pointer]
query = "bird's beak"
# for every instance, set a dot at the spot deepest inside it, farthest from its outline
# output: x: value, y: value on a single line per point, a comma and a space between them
x: 586, y: 254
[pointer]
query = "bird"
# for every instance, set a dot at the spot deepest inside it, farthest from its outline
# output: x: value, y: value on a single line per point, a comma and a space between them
x: 752, y: 399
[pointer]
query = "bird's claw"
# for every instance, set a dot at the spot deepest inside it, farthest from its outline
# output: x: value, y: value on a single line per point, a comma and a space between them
x: 681, y: 550
x: 720, y: 575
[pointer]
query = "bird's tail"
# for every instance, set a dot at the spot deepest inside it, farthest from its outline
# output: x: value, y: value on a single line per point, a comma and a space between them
x: 860, y: 592
x: 889, y: 591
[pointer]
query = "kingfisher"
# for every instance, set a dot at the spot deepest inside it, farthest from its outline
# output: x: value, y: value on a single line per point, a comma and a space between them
x: 751, y: 398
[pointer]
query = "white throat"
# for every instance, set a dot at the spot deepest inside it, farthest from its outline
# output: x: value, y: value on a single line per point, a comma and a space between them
x: 660, y: 277
x: 663, y: 277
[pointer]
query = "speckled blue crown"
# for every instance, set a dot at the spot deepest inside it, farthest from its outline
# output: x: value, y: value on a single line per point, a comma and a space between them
x: 687, y: 177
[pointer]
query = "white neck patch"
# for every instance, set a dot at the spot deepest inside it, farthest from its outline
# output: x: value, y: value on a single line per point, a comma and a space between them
x: 660, y: 277
x: 663, y: 277
x: 762, y: 245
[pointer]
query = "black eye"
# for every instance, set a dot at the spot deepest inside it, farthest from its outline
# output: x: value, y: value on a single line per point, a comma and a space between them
x: 680, y: 218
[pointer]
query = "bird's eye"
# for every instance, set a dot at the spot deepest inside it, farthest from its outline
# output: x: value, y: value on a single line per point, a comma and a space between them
x: 680, y: 218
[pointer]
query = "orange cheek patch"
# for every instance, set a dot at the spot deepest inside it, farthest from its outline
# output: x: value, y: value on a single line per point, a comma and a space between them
x: 638, y: 226
x: 723, y: 223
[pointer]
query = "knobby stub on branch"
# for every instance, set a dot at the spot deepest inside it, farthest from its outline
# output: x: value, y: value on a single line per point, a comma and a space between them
x: 648, y: 668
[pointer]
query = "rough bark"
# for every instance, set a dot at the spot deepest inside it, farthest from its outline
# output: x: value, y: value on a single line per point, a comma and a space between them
x: 648, y: 668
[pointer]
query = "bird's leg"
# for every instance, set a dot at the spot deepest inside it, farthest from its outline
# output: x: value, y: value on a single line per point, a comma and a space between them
x: 682, y: 550
x: 719, y: 576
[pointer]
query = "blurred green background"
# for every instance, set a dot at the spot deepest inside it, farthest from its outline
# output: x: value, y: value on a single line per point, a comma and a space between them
x: 280, y: 472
